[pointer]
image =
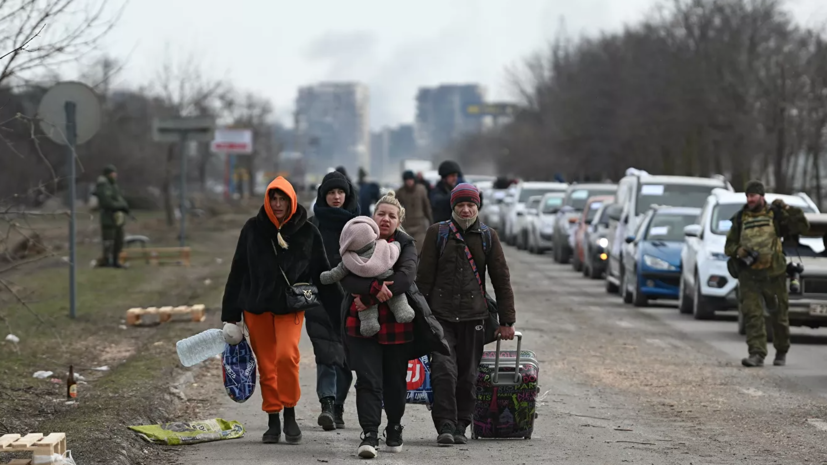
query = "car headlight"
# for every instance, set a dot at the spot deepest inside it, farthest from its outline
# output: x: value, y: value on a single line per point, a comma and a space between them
x: 718, y: 256
x: 603, y: 242
x: 657, y: 263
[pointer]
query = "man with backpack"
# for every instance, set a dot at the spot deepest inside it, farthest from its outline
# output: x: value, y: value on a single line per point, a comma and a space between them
x: 757, y: 260
x: 452, y: 264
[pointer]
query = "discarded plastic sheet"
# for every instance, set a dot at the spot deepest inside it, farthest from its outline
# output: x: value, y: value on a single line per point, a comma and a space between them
x: 103, y: 368
x: 181, y: 433
x: 12, y: 338
x: 42, y: 374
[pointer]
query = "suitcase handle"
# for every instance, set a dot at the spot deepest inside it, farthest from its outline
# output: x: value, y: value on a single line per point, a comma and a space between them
x: 517, y: 376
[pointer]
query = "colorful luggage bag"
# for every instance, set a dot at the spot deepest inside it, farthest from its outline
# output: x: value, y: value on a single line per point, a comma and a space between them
x: 239, y: 371
x: 419, y: 382
x: 506, y: 393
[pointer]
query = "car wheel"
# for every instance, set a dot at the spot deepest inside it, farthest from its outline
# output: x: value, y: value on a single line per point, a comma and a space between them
x: 565, y: 255
x: 684, y: 301
x: 586, y: 271
x: 556, y: 252
x: 639, y: 298
x: 624, y: 289
x: 576, y: 263
x: 701, y: 308
x: 522, y: 241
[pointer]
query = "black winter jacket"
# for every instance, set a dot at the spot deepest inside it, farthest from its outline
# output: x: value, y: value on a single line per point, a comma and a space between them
x: 256, y: 284
x: 428, y: 333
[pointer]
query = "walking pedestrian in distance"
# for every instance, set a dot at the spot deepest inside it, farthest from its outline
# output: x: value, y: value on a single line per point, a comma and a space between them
x: 381, y: 361
x: 418, y: 216
x: 450, y: 173
x: 277, y: 249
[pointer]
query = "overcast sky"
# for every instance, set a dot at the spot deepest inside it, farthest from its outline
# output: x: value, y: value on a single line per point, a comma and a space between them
x: 274, y: 46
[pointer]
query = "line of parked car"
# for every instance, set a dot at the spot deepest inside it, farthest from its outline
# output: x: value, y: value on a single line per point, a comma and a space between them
x: 653, y: 237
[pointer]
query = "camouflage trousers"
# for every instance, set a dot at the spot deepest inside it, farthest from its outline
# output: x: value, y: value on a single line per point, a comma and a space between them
x: 113, y: 238
x: 757, y: 294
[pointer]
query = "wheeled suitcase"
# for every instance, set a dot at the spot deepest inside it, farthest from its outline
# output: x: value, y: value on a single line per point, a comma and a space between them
x: 506, y: 393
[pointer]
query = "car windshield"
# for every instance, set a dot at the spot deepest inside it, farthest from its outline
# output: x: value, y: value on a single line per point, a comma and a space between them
x: 669, y: 227
x: 674, y: 195
x: 552, y: 204
x: 594, y: 207
x: 525, y: 194
x: 722, y: 214
x: 577, y: 198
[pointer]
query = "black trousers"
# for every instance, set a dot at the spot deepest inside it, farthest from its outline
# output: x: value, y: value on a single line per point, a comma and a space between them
x: 454, y: 376
x: 381, y: 375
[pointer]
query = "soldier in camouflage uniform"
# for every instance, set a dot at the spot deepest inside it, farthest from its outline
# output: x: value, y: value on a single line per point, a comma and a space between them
x: 756, y: 233
x: 113, y: 211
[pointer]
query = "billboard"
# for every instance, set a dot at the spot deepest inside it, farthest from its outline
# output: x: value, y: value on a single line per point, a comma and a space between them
x: 233, y: 141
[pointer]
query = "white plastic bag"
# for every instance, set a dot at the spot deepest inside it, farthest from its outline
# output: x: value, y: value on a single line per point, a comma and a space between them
x: 67, y: 459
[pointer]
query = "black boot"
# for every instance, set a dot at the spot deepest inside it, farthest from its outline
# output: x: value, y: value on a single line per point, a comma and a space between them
x: 446, y: 433
x: 326, y: 418
x: 780, y: 359
x: 754, y: 360
x: 273, y: 434
x: 292, y: 433
x: 459, y: 434
x: 339, y: 416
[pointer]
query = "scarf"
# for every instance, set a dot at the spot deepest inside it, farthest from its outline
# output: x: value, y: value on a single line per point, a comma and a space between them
x: 462, y: 222
x: 332, y: 217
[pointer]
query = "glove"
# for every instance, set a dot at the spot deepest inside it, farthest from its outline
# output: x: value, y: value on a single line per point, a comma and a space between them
x: 779, y: 203
x: 232, y: 334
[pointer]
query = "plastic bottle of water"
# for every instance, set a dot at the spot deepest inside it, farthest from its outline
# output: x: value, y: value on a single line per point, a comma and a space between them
x: 195, y: 349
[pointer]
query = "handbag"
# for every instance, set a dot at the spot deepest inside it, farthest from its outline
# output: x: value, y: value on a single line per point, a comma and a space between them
x: 299, y: 296
x: 492, y: 323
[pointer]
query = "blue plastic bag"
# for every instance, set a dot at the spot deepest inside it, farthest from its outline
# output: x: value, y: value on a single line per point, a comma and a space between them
x: 239, y: 371
x: 419, y: 382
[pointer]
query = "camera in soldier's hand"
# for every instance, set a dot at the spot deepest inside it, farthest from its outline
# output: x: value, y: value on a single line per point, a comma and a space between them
x: 749, y: 257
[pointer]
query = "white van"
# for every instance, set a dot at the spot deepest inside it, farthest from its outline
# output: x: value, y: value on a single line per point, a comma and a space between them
x: 636, y: 193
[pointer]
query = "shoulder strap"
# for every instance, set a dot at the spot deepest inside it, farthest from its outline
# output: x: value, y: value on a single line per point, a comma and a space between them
x: 468, y: 255
x: 442, y: 236
x: 486, y: 238
x: 277, y: 258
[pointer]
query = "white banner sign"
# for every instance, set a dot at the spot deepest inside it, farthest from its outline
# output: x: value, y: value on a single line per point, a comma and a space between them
x: 235, y: 141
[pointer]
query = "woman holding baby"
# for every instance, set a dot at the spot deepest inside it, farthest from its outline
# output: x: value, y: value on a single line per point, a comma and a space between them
x: 380, y: 355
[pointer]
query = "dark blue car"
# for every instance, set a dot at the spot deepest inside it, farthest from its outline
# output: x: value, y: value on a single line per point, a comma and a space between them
x: 655, y: 273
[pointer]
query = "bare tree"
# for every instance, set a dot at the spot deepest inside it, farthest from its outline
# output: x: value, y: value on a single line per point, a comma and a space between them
x: 44, y: 34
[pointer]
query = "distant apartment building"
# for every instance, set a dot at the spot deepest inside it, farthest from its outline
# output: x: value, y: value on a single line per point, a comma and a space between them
x: 332, y: 119
x: 441, y: 117
x: 388, y: 147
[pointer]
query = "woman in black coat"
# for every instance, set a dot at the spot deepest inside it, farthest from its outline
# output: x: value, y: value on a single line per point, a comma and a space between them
x: 276, y: 249
x: 336, y: 204
x: 381, y: 361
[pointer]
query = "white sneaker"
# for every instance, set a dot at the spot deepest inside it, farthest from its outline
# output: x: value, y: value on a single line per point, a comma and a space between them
x: 367, y: 449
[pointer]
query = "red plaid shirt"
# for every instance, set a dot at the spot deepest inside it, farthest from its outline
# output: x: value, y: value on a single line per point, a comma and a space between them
x: 390, y: 331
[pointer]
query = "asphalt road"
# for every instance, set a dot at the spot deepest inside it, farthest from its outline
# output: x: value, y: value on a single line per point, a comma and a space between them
x: 618, y: 385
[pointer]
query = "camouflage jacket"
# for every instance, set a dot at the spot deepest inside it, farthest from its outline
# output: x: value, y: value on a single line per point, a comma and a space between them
x: 112, y: 204
x: 788, y: 222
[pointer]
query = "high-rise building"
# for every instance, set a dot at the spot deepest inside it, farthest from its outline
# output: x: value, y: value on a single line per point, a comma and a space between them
x: 388, y: 147
x: 441, y: 117
x: 332, y: 119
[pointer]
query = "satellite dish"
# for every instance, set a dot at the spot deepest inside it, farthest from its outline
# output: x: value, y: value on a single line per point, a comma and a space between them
x: 52, y: 112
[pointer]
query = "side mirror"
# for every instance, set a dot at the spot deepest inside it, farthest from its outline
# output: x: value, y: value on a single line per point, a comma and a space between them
x: 521, y: 213
x: 693, y: 230
x: 630, y: 239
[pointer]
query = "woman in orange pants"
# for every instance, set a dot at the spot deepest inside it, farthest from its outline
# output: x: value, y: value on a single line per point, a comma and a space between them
x: 276, y: 249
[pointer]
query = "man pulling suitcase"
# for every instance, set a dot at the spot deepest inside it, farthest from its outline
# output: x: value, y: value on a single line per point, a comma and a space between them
x: 453, y: 260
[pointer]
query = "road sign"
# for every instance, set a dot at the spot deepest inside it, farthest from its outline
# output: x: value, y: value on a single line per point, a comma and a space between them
x: 53, y: 117
x: 198, y: 129
x: 234, y: 141
x: 70, y: 114
x: 491, y: 109
x: 183, y: 130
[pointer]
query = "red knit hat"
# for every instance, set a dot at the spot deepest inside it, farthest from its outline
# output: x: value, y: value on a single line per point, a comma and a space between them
x: 465, y: 193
